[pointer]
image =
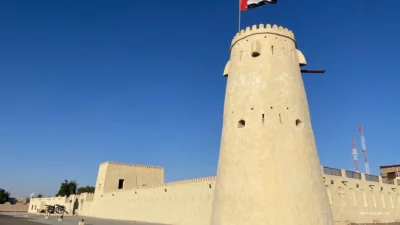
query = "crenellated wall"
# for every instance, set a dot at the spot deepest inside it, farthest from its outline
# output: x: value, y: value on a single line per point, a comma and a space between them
x: 182, y: 202
x: 361, y: 198
x: 353, y: 197
x: 188, y: 202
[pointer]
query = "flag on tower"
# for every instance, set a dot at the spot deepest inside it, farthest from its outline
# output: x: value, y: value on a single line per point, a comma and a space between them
x: 250, y: 4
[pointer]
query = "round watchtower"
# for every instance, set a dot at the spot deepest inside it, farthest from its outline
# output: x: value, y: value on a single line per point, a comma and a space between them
x: 268, y: 171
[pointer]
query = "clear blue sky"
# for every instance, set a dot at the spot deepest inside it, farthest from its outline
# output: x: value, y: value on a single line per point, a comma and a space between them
x: 82, y: 82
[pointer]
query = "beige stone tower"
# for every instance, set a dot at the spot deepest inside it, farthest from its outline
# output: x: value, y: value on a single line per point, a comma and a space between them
x: 268, y: 170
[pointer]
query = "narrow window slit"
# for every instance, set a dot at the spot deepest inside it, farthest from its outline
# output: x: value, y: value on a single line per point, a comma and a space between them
x: 298, y: 122
x: 280, y: 118
x: 272, y: 49
x: 263, y: 119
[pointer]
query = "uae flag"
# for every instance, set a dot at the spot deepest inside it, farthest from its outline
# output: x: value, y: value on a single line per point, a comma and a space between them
x: 251, y: 4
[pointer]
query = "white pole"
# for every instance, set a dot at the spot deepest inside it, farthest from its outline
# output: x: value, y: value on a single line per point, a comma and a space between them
x: 239, y: 15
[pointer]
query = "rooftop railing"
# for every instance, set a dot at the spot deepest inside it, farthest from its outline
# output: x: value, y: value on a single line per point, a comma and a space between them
x: 371, y: 178
x: 387, y: 181
x: 332, y: 171
x: 353, y: 175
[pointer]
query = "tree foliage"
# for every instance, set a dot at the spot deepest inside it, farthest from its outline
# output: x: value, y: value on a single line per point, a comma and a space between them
x: 4, y: 196
x: 89, y: 189
x: 39, y: 196
x: 67, y: 188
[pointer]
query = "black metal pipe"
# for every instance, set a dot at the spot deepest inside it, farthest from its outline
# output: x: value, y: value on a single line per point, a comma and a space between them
x: 313, y: 71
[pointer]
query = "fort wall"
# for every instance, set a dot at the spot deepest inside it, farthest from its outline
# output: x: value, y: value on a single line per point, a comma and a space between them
x: 182, y: 202
x: 361, y: 198
x: 131, y: 175
x: 73, y: 203
x: 85, y: 203
x: 353, y: 198
x: 38, y: 204
x: 17, y: 207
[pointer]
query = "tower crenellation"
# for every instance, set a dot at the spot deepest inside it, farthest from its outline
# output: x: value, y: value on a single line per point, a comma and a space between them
x: 263, y: 29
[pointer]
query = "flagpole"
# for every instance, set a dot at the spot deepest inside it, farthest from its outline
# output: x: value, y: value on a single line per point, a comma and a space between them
x: 239, y: 15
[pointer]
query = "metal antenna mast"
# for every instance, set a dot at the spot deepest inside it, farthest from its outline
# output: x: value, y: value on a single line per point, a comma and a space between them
x: 355, y: 154
x: 364, y: 149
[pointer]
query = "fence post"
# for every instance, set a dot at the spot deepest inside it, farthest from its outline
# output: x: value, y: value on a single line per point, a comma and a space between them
x: 343, y: 172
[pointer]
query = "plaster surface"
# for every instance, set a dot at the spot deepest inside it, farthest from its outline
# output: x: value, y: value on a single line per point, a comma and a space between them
x: 268, y: 169
x: 352, y: 197
x: 18, y: 207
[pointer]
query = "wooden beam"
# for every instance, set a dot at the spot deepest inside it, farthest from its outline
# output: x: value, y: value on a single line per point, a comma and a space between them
x: 313, y: 71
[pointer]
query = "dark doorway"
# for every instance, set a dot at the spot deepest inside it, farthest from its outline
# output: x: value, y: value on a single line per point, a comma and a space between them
x: 121, y: 184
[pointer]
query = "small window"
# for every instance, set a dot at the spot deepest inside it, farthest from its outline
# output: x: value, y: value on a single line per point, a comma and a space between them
x: 241, y: 124
x: 255, y: 54
x: 121, y: 184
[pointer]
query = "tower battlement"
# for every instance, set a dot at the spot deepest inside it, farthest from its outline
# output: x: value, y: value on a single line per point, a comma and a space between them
x: 263, y: 29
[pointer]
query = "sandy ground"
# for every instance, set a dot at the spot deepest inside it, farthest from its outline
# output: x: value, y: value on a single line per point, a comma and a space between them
x: 29, y: 219
x: 398, y: 223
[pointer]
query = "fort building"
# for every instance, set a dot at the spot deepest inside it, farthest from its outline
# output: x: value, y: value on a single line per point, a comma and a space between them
x: 353, y: 198
x: 266, y: 129
x: 390, y: 172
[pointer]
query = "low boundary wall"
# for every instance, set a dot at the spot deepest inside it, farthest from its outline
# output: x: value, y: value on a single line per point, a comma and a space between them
x: 354, y: 198
x: 17, y: 207
x: 361, y: 198
x: 73, y: 204
x: 183, y: 202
